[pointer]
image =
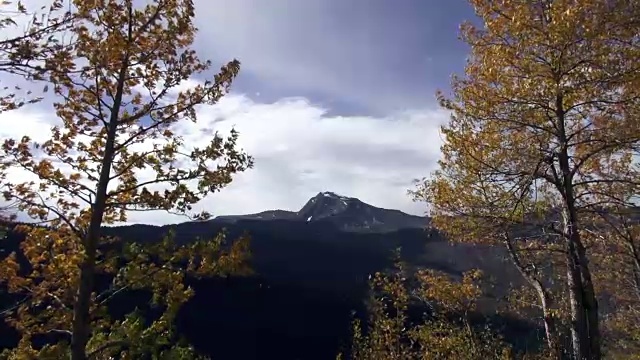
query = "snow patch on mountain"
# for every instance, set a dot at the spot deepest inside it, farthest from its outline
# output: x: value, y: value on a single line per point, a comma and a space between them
x: 347, y: 213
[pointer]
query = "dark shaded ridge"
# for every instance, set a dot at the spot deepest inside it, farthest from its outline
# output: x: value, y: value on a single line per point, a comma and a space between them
x: 311, y: 276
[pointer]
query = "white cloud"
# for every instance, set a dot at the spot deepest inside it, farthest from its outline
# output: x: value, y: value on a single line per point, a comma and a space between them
x: 299, y: 151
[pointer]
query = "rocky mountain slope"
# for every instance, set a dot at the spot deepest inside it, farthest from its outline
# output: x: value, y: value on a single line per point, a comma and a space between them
x: 346, y: 213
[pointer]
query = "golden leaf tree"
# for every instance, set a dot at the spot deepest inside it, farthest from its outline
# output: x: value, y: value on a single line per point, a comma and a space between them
x: 26, y: 52
x: 116, y: 151
x: 390, y: 332
x: 543, y: 134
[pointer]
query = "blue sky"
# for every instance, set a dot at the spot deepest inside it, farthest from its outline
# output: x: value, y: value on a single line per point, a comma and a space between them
x: 333, y: 95
x: 360, y: 57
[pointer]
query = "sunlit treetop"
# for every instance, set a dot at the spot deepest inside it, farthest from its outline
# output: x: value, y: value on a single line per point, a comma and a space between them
x: 119, y: 103
x: 543, y: 78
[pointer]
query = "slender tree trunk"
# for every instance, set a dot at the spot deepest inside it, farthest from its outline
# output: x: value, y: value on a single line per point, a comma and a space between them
x: 550, y: 328
x: 551, y: 331
x: 81, y: 328
x: 584, y: 304
x: 578, y: 325
x: 585, y: 327
x: 584, y: 311
x: 590, y: 303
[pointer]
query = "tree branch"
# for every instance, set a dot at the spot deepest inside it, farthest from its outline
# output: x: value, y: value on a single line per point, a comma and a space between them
x: 107, y: 345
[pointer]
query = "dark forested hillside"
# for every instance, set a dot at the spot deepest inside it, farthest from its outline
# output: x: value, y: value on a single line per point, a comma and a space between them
x: 310, y: 278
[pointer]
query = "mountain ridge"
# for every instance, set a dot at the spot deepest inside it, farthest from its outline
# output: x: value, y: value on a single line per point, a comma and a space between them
x: 346, y: 213
x: 309, y: 276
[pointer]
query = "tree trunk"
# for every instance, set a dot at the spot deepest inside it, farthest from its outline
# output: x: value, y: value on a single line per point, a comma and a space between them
x: 549, y: 322
x: 550, y: 329
x: 590, y: 303
x: 578, y: 325
x: 81, y: 328
x: 585, y: 322
x: 585, y: 327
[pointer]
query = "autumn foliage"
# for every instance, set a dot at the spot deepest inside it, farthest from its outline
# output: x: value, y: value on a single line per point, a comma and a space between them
x: 540, y: 158
x: 541, y: 145
x: 443, y: 330
x: 28, y: 49
x: 120, y: 91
